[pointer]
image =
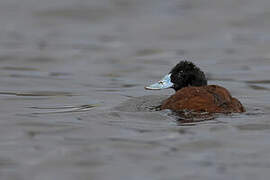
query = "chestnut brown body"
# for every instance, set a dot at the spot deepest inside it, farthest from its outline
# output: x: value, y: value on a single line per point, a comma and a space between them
x: 211, y: 98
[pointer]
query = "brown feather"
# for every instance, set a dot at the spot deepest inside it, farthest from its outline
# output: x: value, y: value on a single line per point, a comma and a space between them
x: 212, y: 99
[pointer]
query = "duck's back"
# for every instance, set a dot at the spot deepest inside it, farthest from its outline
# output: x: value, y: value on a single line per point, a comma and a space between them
x: 212, y: 98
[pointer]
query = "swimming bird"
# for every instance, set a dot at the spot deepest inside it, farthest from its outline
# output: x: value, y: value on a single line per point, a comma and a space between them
x: 193, y: 93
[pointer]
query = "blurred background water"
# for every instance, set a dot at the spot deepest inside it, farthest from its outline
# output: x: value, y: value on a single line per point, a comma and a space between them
x: 72, y: 100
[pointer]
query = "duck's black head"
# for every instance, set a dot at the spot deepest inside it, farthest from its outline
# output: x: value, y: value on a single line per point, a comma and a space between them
x: 184, y: 74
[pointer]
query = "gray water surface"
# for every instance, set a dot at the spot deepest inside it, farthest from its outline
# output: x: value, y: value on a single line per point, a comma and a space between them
x: 73, y: 104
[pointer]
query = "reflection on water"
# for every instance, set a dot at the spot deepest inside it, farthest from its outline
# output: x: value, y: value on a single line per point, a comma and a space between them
x: 258, y: 87
x: 254, y: 127
x: 38, y: 93
x: 64, y: 109
x: 72, y: 100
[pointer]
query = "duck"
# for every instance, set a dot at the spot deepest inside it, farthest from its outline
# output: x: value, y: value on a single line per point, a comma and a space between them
x: 192, y: 92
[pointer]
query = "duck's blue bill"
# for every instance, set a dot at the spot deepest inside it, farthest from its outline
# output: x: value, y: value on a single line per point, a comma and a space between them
x: 162, y: 84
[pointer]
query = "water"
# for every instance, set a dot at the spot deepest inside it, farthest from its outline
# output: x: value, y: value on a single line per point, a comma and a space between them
x: 73, y: 104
